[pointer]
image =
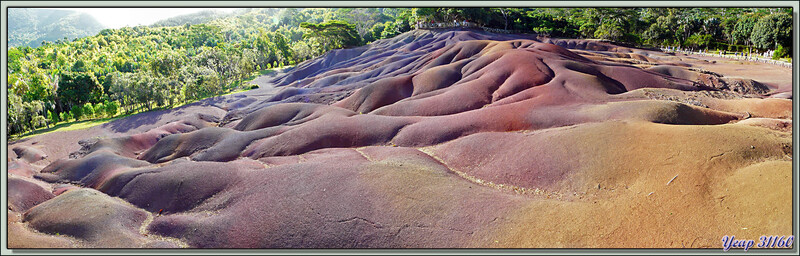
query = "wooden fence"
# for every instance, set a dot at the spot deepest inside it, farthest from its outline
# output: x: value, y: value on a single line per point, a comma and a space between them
x: 463, y: 24
x: 732, y: 55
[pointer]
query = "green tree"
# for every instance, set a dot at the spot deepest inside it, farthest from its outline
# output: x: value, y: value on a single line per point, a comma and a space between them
x: 333, y: 34
x: 205, y: 35
x: 376, y: 30
x: 65, y: 116
x: 389, y: 30
x: 201, y: 82
x: 15, y: 113
x: 611, y: 30
x: 39, y: 87
x: 698, y: 40
x: 661, y: 31
x: 744, y: 28
x: 79, y: 66
x: 781, y: 52
x: 15, y: 56
x: 773, y: 30
x: 39, y: 121
x: 74, y: 89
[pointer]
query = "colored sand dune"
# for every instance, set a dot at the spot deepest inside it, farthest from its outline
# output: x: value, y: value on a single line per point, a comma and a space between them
x: 431, y: 139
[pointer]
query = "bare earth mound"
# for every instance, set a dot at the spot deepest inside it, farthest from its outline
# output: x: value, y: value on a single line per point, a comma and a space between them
x: 431, y: 139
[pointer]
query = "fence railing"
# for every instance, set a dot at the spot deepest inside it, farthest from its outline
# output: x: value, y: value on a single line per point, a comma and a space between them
x: 732, y: 55
x: 463, y: 24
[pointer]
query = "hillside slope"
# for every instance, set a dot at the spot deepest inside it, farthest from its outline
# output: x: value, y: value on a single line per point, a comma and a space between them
x: 30, y: 26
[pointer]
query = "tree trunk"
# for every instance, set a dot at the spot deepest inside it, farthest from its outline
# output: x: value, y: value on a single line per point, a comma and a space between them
x: 505, y: 18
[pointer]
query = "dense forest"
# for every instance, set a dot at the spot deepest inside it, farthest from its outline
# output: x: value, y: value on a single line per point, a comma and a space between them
x: 191, y: 57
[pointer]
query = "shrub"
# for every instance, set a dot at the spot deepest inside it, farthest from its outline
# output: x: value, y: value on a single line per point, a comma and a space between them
x: 52, y: 117
x: 111, y: 108
x: 39, y: 121
x: 88, y: 110
x: 99, y: 109
x: 77, y: 112
x: 66, y: 116
x: 781, y: 52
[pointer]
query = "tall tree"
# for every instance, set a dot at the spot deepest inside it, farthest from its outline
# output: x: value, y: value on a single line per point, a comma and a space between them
x: 332, y: 34
x: 773, y: 30
x: 75, y: 89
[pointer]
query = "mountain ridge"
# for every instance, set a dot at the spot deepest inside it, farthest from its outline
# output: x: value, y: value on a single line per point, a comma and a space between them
x: 31, y: 26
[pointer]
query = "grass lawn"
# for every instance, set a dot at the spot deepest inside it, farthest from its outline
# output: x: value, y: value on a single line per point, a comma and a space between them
x: 68, y: 126
x: 84, y: 124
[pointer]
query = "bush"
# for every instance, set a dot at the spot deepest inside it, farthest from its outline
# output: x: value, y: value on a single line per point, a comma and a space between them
x: 39, y: 121
x: 99, y: 109
x: 77, y: 112
x: 88, y: 110
x: 781, y: 52
x: 111, y: 108
x: 698, y: 41
x: 65, y: 116
x: 52, y: 117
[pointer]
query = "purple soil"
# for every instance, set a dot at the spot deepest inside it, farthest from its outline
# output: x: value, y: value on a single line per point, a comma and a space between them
x: 29, y: 154
x: 91, y: 216
x: 294, y: 209
x: 23, y: 194
x: 22, y: 168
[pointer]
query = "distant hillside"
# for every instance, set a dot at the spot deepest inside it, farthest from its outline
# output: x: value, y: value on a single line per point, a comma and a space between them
x: 195, y: 18
x: 28, y: 26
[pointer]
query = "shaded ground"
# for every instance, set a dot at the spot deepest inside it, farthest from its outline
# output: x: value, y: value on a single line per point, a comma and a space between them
x: 432, y: 139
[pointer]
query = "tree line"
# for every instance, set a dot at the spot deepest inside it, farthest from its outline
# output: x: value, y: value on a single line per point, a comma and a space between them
x: 733, y: 29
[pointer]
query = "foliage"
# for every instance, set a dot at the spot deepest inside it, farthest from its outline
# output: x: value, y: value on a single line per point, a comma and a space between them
x: 743, y: 28
x: 772, y: 30
x: 99, y: 109
x: 74, y: 89
x: 332, y: 34
x: 77, y: 112
x: 88, y: 110
x: 781, y: 52
x: 112, y: 108
x: 698, y: 40
x: 65, y: 116
x: 52, y: 117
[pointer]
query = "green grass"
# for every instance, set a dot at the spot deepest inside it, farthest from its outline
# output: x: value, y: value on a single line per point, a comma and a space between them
x: 76, y: 125
x: 247, y: 80
x: 69, y: 126
x: 261, y: 73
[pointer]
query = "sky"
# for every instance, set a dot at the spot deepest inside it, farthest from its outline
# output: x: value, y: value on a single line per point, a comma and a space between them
x: 121, y: 17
